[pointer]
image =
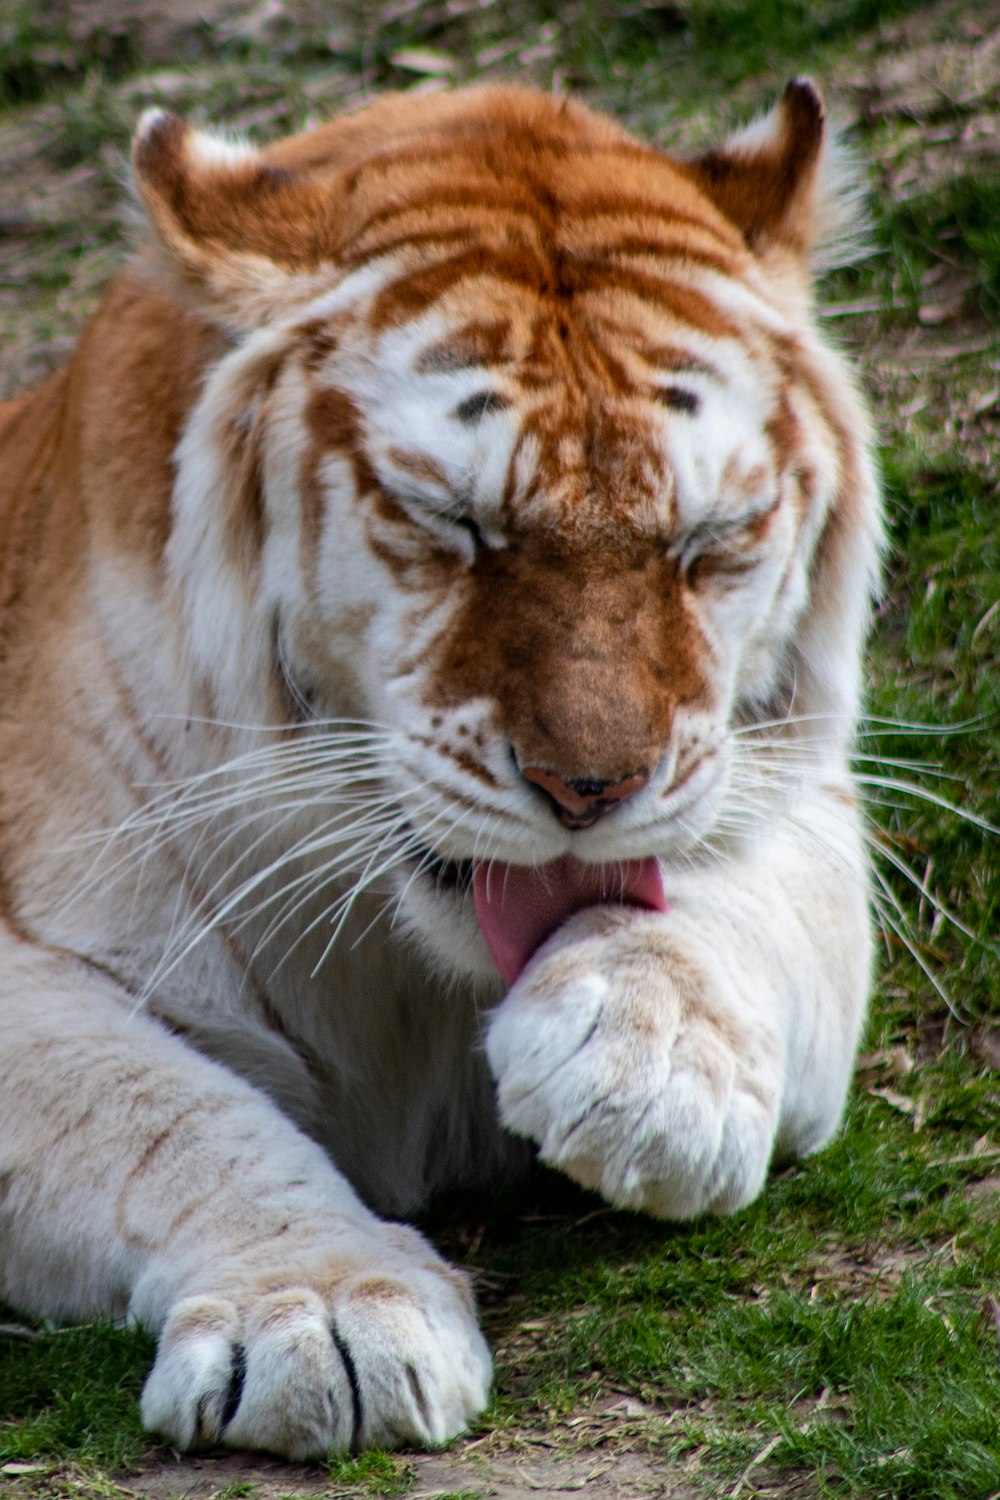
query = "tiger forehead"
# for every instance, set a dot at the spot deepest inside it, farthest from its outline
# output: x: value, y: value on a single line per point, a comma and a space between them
x: 555, y: 294
x: 523, y: 183
x: 523, y: 206
x: 530, y: 351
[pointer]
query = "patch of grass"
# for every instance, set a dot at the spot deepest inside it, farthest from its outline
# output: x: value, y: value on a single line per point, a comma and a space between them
x: 957, y: 225
x: 824, y: 1317
x: 708, y: 45
x: 94, y: 124
x: 935, y: 657
x: 73, y: 1394
x: 45, y: 49
x: 737, y: 40
x: 23, y: 73
x: 950, y: 230
x: 883, y: 1396
x: 373, y: 1473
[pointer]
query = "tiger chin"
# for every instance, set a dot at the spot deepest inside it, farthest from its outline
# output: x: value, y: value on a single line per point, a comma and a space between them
x: 431, y: 616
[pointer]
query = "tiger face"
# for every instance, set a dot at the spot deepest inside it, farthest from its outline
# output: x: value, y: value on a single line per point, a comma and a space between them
x: 551, y: 474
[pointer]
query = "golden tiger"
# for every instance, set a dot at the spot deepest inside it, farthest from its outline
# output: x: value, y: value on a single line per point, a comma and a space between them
x: 431, y: 606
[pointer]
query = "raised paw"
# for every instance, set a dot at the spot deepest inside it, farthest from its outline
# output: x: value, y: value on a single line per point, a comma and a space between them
x: 639, y: 1067
x: 384, y: 1358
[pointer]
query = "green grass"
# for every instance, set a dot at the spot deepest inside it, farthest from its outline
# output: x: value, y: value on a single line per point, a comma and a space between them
x: 372, y: 1473
x: 936, y: 655
x: 833, y: 1337
x: 73, y: 1393
x: 713, y: 44
x: 958, y: 224
x: 828, y: 1295
x: 44, y: 49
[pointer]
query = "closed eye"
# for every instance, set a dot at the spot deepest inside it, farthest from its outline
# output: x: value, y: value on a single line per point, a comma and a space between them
x: 676, y: 398
x: 482, y: 404
x: 445, y: 524
x: 726, y: 547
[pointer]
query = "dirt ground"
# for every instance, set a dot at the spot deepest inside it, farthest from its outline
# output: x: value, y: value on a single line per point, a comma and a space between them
x: 538, y: 1474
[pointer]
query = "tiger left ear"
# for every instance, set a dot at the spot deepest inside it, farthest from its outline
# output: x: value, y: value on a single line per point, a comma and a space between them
x: 765, y: 179
x: 241, y: 237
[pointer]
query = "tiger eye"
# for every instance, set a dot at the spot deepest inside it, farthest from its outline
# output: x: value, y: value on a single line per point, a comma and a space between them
x: 481, y: 405
x: 678, y: 399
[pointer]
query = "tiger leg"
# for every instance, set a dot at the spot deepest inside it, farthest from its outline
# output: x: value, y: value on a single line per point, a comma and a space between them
x: 664, y: 1058
x: 139, y: 1178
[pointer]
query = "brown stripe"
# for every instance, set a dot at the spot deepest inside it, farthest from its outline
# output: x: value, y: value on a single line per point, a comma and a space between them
x: 419, y: 465
x: 468, y: 762
x: 413, y: 240
x: 682, y: 302
x: 783, y: 431
x: 464, y: 759
x: 470, y: 347
x: 613, y: 251
x: 672, y: 359
x: 333, y: 419
x: 496, y: 204
x: 413, y: 294
x: 625, y: 206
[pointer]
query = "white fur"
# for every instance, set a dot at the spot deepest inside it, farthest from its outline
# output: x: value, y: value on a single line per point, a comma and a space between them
x: 661, y: 1059
x: 246, y: 1010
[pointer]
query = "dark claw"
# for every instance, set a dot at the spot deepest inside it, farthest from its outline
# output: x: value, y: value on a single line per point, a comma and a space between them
x: 234, y: 1395
x: 357, y: 1405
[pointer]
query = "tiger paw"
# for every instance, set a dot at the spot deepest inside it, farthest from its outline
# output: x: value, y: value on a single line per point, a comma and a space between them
x: 379, y: 1357
x: 638, y: 1067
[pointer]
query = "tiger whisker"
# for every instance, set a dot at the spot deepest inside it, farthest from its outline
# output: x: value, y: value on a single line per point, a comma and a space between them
x: 219, y: 915
x: 341, y: 911
x: 313, y: 881
x: 922, y: 794
x: 884, y: 850
x: 900, y: 926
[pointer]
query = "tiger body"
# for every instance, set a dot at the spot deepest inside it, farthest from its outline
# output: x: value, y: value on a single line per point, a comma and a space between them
x: 458, y: 487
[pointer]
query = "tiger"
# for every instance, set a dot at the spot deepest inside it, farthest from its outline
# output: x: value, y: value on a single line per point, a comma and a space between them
x: 432, y: 609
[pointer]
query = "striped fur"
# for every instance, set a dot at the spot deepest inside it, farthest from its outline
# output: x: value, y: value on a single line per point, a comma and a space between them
x: 454, y: 450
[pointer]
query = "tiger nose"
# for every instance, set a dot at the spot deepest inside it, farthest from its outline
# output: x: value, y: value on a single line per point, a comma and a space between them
x: 579, y: 803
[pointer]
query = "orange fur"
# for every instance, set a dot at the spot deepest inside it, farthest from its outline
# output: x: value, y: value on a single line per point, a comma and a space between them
x: 453, y: 483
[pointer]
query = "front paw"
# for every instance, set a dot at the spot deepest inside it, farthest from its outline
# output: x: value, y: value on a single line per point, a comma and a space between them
x: 336, y: 1353
x: 639, y: 1070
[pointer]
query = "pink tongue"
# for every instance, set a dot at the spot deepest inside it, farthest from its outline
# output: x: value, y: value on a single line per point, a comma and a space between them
x: 518, y: 907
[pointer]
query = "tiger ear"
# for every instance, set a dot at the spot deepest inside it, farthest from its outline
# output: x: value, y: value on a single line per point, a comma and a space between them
x: 767, y: 178
x: 244, y: 239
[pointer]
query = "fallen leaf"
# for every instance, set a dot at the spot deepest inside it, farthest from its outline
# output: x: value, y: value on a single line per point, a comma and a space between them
x: 933, y: 314
x: 423, y: 60
x: 895, y: 1060
x: 534, y: 1482
x: 895, y: 1101
x: 986, y: 401
x: 630, y: 1407
x: 986, y: 1044
x: 993, y: 1313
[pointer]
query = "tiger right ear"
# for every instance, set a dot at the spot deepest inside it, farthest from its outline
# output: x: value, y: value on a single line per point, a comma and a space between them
x: 765, y: 179
x: 244, y: 238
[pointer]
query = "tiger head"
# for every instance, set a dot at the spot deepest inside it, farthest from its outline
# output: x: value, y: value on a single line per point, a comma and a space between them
x: 525, y: 448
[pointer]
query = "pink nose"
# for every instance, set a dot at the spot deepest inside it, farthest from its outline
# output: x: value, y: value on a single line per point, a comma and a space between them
x: 579, y: 803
